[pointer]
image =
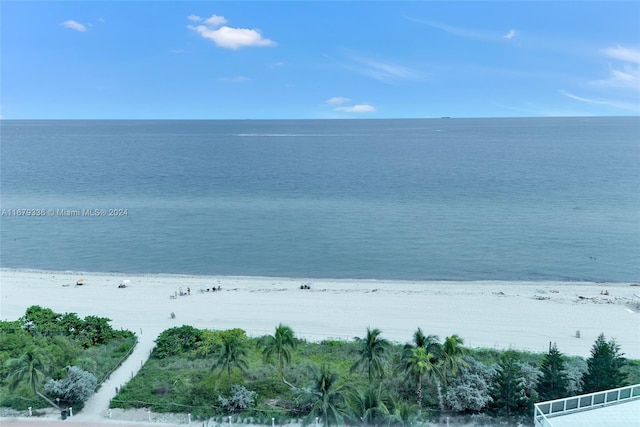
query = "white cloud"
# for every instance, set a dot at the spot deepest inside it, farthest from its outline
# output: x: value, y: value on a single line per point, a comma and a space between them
x: 337, y: 100
x: 74, y: 25
x: 358, y: 108
x: 194, y: 18
x: 619, y: 104
x: 629, y: 76
x: 456, y: 31
x: 385, y: 71
x: 228, y: 37
x: 623, y: 54
x: 101, y: 20
x: 511, y: 34
x: 176, y: 50
x: 382, y: 71
x: 579, y: 98
x: 215, y: 21
x: 467, y: 33
x: 233, y: 38
x: 620, y: 88
x: 623, y: 76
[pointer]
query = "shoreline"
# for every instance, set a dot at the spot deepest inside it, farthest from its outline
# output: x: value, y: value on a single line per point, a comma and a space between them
x: 524, y: 315
x: 121, y: 275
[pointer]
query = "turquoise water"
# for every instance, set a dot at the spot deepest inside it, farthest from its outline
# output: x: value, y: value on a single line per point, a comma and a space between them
x: 452, y: 199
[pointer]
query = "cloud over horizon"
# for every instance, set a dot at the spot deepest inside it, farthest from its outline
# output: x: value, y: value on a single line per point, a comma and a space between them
x: 228, y: 37
x: 621, y: 87
x: 627, y: 74
x: 358, y: 108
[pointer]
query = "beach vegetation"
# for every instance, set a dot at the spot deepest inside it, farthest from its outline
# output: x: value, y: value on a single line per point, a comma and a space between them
x: 278, y: 346
x: 88, y: 332
x: 177, y: 340
x: 30, y: 368
x: 554, y: 383
x: 417, y: 365
x: 370, y: 406
x: 508, y: 388
x: 631, y: 370
x: 372, y: 354
x: 240, y: 398
x: 469, y: 391
x: 232, y: 353
x: 38, y: 348
x: 76, y: 387
x: 604, y: 367
x: 325, y: 397
x: 451, y: 357
x: 404, y: 414
x: 320, y: 382
x: 215, y: 373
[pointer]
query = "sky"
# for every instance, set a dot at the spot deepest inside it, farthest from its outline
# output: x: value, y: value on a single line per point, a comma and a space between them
x: 318, y: 60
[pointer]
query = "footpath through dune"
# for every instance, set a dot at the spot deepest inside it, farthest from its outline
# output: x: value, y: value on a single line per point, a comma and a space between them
x: 97, y: 407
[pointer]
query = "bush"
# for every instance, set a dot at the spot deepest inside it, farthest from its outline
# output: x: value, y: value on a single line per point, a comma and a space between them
x: 77, y: 387
x: 469, y: 391
x: 176, y: 341
x: 240, y: 399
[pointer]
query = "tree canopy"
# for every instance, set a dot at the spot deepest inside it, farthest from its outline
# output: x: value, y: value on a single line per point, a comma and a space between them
x: 604, y: 367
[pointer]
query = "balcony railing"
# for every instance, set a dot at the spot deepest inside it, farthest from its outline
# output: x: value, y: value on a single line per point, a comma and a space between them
x: 553, y: 408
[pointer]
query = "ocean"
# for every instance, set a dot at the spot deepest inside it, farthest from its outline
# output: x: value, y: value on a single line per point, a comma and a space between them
x: 520, y: 199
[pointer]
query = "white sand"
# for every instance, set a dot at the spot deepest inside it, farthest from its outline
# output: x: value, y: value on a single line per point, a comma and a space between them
x: 520, y: 315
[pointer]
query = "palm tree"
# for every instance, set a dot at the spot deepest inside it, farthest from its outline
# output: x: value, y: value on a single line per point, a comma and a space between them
x: 422, y: 340
x: 419, y: 364
x: 279, y: 345
x: 429, y: 343
x: 404, y: 413
x: 233, y: 353
x: 369, y: 406
x: 449, y: 358
x: 325, y: 397
x: 372, y: 352
x: 452, y: 357
x: 31, y: 367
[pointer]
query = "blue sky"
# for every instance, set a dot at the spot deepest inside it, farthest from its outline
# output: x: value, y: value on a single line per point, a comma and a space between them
x: 331, y: 59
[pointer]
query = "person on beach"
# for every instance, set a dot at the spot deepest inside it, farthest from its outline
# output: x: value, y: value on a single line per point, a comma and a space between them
x: 188, y: 291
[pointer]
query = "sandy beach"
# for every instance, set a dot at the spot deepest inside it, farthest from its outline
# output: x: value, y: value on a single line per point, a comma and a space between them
x: 520, y: 315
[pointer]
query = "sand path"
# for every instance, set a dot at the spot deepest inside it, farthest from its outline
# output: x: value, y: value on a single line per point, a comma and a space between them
x: 97, y: 406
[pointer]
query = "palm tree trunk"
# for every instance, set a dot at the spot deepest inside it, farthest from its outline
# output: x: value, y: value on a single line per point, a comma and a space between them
x: 46, y: 399
x: 289, y: 384
x: 440, y: 397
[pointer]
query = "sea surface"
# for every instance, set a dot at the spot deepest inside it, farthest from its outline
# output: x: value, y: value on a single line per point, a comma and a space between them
x: 434, y: 199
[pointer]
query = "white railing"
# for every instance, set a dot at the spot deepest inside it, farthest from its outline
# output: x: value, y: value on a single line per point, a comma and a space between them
x: 552, y: 408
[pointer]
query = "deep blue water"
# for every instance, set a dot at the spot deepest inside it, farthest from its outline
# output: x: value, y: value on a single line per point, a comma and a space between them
x: 453, y: 199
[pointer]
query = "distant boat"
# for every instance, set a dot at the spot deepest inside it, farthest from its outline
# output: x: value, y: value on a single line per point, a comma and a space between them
x: 445, y: 117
